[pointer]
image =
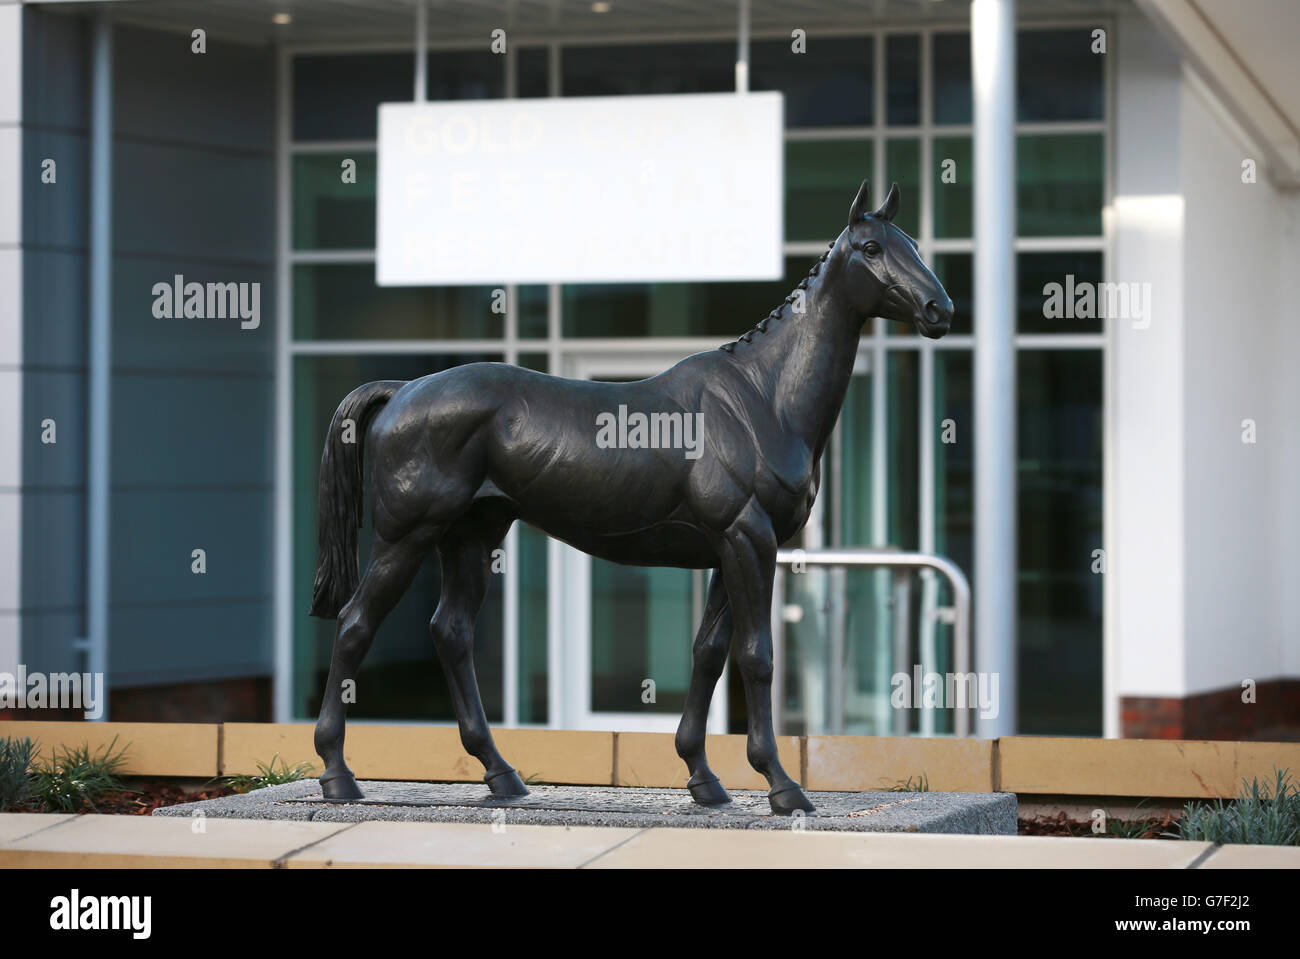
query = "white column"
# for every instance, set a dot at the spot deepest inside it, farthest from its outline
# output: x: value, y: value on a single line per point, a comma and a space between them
x: 100, y: 378
x: 993, y: 67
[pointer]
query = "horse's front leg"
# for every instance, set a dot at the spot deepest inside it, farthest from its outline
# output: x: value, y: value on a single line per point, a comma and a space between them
x: 709, y: 656
x: 748, y: 554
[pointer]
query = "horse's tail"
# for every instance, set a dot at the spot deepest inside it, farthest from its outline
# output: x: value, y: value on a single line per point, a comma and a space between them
x: 341, y: 496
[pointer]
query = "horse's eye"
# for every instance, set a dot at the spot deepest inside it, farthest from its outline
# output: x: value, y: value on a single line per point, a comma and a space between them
x: 871, y: 248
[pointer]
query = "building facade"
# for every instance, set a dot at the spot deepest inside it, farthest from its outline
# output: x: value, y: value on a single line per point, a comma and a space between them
x: 1154, y: 538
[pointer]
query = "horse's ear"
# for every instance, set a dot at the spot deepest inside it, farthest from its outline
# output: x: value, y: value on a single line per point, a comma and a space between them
x: 890, y: 206
x: 862, y: 204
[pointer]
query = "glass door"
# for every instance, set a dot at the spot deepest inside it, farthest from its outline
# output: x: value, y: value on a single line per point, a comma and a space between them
x: 627, y: 630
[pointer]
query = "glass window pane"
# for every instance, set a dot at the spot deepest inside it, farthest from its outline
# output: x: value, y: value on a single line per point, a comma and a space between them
x: 821, y: 179
x: 902, y: 465
x: 1058, y: 292
x: 401, y: 676
x: 337, y: 97
x: 1059, y: 449
x: 533, y: 301
x: 830, y: 85
x: 329, y: 214
x: 903, y: 81
x: 534, y: 594
x: 1058, y: 77
x: 954, y: 462
x: 340, y: 301
x: 466, y: 75
x: 1059, y: 184
x: 955, y: 272
x: 903, y: 165
x: 952, y: 85
x: 724, y: 310
x: 533, y: 66
x: 648, y: 68
x: 954, y: 198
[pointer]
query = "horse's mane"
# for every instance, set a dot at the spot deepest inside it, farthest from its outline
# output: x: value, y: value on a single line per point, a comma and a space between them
x: 761, y: 325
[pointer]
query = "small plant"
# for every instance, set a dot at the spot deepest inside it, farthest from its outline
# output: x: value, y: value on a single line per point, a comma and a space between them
x: 15, y: 771
x: 75, y: 779
x: 920, y: 785
x: 1262, y: 814
x: 269, y: 775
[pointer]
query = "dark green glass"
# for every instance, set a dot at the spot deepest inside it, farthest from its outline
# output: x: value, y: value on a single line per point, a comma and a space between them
x: 1058, y: 292
x: 1059, y: 184
x: 903, y: 79
x: 340, y: 301
x: 533, y: 301
x: 1059, y: 450
x: 329, y: 213
x: 953, y: 180
x: 821, y: 179
x: 903, y: 165
x: 725, y: 310
x: 1058, y: 77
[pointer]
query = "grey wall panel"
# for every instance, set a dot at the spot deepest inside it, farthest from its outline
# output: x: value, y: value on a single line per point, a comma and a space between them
x: 56, y: 77
x: 155, y: 530
x: 54, y: 558
x: 54, y: 309
x: 186, y: 202
x: 55, y: 214
x: 190, y: 642
x: 207, y: 431
x: 48, y: 639
x: 61, y: 397
x: 223, y: 98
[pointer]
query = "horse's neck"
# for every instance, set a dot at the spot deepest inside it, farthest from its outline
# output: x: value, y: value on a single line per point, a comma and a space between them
x: 805, y: 361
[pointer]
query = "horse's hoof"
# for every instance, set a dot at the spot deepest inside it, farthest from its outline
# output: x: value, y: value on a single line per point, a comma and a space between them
x: 708, y: 792
x: 784, y: 802
x: 341, y: 788
x: 506, y: 784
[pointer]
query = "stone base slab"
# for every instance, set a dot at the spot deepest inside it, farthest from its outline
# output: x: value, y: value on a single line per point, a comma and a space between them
x: 923, y: 812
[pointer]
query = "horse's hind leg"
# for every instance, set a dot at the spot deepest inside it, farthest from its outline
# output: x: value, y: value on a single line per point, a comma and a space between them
x: 466, y: 554
x: 391, y: 568
x: 709, y: 655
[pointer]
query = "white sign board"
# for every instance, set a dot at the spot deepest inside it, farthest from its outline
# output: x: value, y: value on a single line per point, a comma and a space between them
x: 581, y: 190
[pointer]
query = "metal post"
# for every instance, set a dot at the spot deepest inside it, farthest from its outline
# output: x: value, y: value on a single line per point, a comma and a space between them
x: 902, y: 608
x: 101, y: 343
x: 838, y: 609
x: 742, y: 46
x: 993, y: 65
x: 421, y: 51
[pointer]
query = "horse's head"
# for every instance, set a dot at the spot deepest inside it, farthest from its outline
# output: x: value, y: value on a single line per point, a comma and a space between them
x: 886, y: 275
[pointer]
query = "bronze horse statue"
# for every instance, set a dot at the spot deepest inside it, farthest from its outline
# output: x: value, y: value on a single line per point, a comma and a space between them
x: 460, y: 455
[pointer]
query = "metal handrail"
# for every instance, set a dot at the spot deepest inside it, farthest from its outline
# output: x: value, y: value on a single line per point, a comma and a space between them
x: 900, y: 563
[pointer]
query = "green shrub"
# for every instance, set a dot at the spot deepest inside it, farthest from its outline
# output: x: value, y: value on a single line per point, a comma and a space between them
x: 75, y: 779
x: 268, y: 775
x: 15, y: 771
x: 1267, y: 814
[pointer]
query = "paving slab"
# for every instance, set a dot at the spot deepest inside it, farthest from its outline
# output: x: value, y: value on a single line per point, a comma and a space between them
x: 675, y: 848
x: 1253, y: 857
x: 370, y: 845
x: 622, y: 807
x: 116, y: 842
